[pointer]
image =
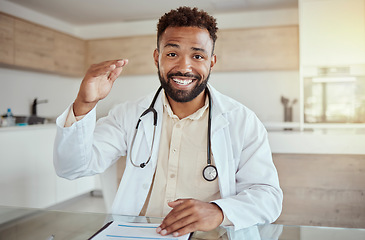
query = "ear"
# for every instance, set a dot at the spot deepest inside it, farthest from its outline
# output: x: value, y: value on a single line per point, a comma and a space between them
x: 213, y: 61
x: 156, y: 56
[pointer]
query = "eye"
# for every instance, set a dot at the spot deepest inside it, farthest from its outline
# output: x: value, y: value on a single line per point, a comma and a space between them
x: 171, y: 54
x: 198, y: 56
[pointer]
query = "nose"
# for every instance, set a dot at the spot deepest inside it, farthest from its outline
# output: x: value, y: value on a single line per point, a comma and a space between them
x: 184, y: 64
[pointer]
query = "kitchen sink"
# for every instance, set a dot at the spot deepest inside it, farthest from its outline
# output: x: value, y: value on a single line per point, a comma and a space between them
x: 30, y: 120
x: 36, y: 120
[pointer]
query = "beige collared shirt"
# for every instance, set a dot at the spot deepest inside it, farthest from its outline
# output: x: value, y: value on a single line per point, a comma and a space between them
x: 182, y: 158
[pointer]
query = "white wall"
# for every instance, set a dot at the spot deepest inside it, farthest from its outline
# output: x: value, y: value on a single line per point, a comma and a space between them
x: 259, y: 91
x: 18, y: 88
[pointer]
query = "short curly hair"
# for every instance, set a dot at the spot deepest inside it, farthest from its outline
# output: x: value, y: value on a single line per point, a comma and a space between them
x: 187, y: 17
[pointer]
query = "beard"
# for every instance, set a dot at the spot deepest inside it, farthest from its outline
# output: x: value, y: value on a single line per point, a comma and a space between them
x: 182, y: 95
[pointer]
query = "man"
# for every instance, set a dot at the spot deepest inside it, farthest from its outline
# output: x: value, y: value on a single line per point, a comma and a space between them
x: 164, y: 168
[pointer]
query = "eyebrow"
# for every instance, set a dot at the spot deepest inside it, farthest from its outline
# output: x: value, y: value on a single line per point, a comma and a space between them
x: 172, y: 45
x: 193, y: 48
x: 199, y: 50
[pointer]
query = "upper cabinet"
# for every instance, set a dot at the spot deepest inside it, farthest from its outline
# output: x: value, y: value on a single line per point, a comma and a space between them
x: 6, y: 39
x: 30, y: 46
x: 258, y: 49
x: 138, y: 50
x: 69, y: 54
x: 332, y: 32
x: 251, y: 49
x: 33, y: 46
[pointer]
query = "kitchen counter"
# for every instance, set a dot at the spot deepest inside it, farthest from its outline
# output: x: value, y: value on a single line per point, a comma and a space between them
x: 28, y: 127
x: 317, y: 142
x: 28, y: 178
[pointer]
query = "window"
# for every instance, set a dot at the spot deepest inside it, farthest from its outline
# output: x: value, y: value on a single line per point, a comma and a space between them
x: 339, y: 99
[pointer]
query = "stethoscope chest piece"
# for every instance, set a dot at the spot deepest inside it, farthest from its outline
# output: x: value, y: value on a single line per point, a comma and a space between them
x: 210, y: 173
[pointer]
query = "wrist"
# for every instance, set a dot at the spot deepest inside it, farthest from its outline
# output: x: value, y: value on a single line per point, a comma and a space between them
x: 220, y: 212
x: 81, y: 108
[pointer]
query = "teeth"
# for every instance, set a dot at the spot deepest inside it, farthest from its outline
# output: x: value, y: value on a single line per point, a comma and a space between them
x: 182, y: 82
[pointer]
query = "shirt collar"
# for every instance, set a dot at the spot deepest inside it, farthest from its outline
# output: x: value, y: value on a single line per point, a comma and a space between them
x: 194, y: 116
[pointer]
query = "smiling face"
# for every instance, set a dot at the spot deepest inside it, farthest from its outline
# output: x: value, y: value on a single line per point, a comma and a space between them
x: 184, y: 61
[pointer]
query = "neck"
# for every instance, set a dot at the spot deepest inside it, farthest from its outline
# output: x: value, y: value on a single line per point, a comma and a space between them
x: 184, y: 109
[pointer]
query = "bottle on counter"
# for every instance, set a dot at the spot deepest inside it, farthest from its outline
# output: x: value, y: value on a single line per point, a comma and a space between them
x: 10, y: 119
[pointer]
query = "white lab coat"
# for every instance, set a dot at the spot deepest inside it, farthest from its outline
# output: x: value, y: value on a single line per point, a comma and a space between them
x: 248, y: 179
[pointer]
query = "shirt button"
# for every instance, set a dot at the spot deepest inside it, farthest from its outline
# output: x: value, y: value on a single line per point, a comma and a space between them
x: 178, y: 125
x: 174, y: 150
x: 172, y: 175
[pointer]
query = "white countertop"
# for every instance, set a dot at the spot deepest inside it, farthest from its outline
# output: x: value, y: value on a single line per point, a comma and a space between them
x: 317, y: 142
x: 28, y: 127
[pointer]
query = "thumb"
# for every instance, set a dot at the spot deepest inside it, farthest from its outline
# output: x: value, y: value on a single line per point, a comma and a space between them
x: 175, y: 203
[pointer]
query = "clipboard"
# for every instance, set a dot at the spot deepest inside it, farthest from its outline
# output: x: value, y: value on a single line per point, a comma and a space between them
x: 125, y: 230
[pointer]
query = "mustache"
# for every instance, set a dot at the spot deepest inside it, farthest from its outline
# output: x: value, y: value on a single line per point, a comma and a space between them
x: 180, y: 74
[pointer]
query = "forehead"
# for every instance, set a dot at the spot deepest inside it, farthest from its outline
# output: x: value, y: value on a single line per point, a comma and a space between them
x: 187, y: 36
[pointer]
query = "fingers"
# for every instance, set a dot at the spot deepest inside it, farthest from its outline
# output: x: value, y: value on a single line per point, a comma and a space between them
x: 110, y: 69
x: 182, y: 210
x: 180, y: 228
x: 118, y: 64
x: 189, y: 215
x: 97, y: 83
x: 117, y: 69
x: 176, y: 202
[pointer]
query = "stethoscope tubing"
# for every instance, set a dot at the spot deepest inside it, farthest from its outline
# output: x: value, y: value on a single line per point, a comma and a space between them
x: 152, y: 109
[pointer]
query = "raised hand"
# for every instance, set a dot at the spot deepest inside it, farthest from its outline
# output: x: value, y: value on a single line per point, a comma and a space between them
x: 96, y: 85
x: 189, y: 215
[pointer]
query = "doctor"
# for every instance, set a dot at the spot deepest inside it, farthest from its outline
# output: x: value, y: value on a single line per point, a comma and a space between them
x: 206, y: 162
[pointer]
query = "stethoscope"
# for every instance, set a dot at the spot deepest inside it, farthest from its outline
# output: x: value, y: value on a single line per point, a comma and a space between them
x: 210, y: 172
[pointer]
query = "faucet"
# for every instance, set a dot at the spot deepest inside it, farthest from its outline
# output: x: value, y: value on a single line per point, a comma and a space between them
x: 34, y: 105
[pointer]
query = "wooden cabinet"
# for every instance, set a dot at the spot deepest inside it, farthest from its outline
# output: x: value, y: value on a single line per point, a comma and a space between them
x: 33, y: 46
x: 69, y: 55
x: 30, y: 46
x: 138, y: 50
x: 6, y: 39
x: 332, y: 32
x: 258, y: 49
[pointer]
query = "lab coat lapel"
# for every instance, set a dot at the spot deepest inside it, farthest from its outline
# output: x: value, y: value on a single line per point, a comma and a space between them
x: 221, y: 142
x: 148, y: 127
x: 221, y: 152
x: 218, y: 111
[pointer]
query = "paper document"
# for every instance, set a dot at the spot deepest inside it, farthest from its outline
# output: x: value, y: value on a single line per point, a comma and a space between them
x: 123, y: 230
